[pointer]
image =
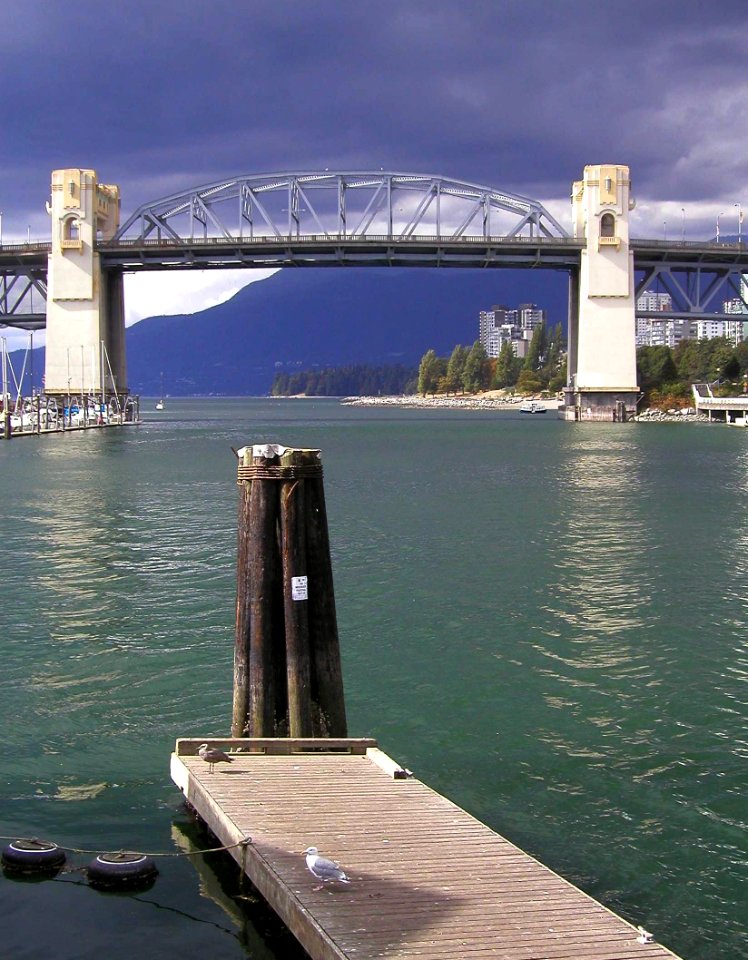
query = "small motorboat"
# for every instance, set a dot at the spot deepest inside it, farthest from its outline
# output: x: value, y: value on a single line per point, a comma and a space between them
x: 532, y: 407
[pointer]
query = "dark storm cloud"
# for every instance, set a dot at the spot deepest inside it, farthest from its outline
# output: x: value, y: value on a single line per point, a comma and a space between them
x: 519, y: 95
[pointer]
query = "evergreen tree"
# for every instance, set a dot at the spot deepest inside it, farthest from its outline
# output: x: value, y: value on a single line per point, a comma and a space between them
x: 456, y: 369
x: 529, y: 381
x: 475, y: 374
x: 537, y: 349
x: 429, y: 372
x: 358, y: 380
x: 655, y: 366
x: 507, y: 367
x: 558, y: 380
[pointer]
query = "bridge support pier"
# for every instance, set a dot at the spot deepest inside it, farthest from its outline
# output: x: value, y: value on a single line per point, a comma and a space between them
x: 85, y: 343
x: 602, y: 326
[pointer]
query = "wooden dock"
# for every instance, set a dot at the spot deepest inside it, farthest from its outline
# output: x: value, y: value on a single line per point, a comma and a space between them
x: 427, y: 879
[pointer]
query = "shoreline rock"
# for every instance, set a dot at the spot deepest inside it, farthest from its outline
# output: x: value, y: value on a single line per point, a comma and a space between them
x: 469, y: 402
x: 479, y: 402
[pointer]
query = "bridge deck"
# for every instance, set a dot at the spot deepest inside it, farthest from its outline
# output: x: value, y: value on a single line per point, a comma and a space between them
x: 428, y: 880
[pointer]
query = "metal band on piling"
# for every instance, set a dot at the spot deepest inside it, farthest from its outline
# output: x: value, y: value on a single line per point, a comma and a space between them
x: 256, y: 471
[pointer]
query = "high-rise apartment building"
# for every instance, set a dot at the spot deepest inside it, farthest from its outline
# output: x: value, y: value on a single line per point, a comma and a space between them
x: 502, y: 324
x: 650, y: 301
x: 708, y: 329
x: 655, y: 332
x: 531, y: 316
x: 651, y: 331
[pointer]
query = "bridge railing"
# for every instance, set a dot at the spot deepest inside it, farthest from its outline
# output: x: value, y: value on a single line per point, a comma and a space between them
x: 341, y: 238
x: 35, y: 246
x: 41, y: 246
x: 688, y: 244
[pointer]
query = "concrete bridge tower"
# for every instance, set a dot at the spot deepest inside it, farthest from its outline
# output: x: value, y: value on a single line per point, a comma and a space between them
x: 602, y: 325
x: 85, y: 307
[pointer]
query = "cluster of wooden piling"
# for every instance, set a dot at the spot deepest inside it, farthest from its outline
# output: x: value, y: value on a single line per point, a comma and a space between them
x: 287, y: 673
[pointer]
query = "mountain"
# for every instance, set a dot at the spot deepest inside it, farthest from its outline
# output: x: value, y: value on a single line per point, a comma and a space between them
x: 317, y: 317
x: 302, y: 318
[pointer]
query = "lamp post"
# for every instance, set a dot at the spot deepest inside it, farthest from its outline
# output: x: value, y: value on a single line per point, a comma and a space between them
x: 718, y: 216
x: 664, y: 229
x: 740, y: 222
x: 1, y: 228
x: 683, y: 225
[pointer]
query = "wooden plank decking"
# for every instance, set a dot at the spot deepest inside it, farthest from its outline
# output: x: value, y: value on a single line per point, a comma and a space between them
x: 428, y: 880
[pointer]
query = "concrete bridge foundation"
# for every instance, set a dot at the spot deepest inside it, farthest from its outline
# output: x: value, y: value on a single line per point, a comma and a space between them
x: 85, y: 346
x: 602, y: 303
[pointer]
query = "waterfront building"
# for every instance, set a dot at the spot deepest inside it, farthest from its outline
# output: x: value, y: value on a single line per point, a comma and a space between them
x: 531, y: 316
x: 653, y: 331
x: 651, y: 301
x: 502, y: 324
x: 738, y: 306
x: 667, y: 333
x: 708, y: 329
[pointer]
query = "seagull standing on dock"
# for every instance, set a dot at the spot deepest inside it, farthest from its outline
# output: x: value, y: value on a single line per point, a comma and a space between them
x: 212, y: 755
x: 323, y: 869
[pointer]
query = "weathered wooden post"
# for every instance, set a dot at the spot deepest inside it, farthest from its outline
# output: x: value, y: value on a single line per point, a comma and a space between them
x: 287, y: 674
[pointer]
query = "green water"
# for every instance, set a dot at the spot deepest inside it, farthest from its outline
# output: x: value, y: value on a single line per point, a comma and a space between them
x: 544, y: 621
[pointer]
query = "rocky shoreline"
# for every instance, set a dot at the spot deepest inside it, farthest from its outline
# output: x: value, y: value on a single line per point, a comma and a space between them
x: 686, y: 415
x: 471, y: 402
x: 488, y: 402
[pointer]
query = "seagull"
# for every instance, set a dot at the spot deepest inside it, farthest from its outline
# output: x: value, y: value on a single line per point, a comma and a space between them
x: 323, y: 869
x: 212, y: 755
x: 644, y: 936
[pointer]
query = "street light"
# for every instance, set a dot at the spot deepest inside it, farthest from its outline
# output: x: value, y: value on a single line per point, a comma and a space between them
x: 718, y: 216
x: 1, y: 228
x: 683, y: 227
x: 664, y: 229
x: 740, y: 221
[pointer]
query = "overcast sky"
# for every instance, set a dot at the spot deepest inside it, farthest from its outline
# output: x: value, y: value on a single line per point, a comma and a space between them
x: 514, y: 94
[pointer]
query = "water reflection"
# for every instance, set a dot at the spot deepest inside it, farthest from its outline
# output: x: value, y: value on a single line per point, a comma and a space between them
x: 545, y: 621
x: 601, y: 544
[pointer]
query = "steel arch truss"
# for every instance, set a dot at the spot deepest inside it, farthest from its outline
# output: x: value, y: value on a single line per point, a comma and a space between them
x: 698, y: 291
x: 23, y: 297
x: 338, y: 205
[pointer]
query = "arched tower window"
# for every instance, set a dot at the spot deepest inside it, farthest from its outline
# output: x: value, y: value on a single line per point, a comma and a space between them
x: 71, y: 233
x: 71, y: 229
x: 607, y: 225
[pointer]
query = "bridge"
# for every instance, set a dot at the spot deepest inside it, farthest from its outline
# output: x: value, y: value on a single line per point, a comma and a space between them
x: 72, y: 286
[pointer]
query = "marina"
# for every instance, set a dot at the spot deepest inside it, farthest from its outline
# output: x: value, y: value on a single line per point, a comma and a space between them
x: 36, y: 413
x: 40, y: 415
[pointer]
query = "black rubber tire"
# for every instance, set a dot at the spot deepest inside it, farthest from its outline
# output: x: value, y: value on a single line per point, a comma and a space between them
x: 121, y: 870
x: 33, y: 856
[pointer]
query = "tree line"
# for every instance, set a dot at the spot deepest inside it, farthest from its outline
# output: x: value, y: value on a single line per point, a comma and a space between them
x: 471, y: 370
x: 665, y: 375
x: 357, y: 380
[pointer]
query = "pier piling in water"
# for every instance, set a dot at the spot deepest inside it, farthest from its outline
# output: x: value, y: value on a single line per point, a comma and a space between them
x: 287, y: 673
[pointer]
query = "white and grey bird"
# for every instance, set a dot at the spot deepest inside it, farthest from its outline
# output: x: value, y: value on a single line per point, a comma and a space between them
x: 212, y: 756
x: 644, y: 936
x: 324, y: 869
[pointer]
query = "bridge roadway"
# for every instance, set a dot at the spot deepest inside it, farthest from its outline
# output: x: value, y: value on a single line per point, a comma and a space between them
x: 320, y: 250
x: 706, y: 265
x: 427, y: 879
